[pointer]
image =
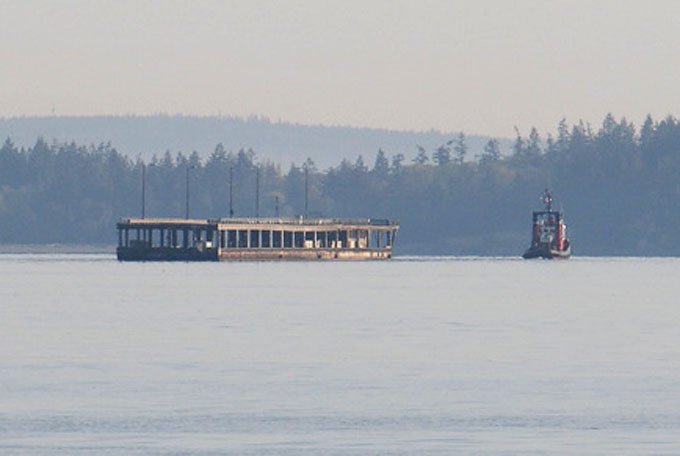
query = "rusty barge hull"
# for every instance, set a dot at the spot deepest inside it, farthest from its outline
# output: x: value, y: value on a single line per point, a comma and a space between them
x: 255, y: 239
x: 305, y: 254
x: 126, y: 254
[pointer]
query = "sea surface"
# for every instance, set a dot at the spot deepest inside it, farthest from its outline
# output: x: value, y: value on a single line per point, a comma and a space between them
x: 421, y: 355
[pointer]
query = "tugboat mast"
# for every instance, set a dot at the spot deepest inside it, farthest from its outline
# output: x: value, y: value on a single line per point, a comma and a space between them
x: 547, y: 199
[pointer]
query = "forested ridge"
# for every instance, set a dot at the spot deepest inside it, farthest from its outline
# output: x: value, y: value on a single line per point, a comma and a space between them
x: 279, y: 141
x: 618, y: 185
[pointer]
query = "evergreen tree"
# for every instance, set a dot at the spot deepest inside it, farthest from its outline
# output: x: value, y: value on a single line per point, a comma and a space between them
x: 550, y: 145
x: 421, y: 158
x: 563, y: 136
x: 460, y: 148
x: 359, y: 166
x: 647, y: 133
x: 518, y: 147
x: 382, y: 165
x: 442, y: 156
x: 533, y: 147
x: 397, y: 163
x: 491, y: 151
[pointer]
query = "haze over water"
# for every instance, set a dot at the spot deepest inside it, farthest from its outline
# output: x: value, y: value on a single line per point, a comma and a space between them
x: 411, y: 356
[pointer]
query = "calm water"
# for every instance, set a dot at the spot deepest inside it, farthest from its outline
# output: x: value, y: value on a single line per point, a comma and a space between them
x: 412, y: 356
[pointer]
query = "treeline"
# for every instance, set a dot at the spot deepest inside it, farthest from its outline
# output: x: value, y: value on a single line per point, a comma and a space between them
x: 279, y: 141
x: 619, y: 188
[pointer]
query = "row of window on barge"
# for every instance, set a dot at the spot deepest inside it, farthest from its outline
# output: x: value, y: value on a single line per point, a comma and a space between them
x: 255, y: 239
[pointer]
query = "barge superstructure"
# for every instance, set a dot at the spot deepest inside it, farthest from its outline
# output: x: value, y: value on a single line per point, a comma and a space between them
x: 171, y: 239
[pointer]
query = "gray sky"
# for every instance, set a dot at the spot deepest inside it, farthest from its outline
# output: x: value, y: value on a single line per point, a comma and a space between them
x: 477, y: 66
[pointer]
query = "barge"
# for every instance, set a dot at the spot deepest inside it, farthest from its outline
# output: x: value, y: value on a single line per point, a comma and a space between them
x: 549, y: 233
x: 170, y: 239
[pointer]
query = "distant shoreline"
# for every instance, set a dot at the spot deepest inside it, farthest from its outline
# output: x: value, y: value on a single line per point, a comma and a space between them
x: 400, y: 254
x: 29, y: 249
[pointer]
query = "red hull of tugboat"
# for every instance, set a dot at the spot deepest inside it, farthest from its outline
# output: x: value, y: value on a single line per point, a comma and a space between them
x: 547, y: 254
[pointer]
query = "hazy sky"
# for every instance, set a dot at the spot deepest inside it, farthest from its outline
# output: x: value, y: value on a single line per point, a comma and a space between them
x: 477, y: 66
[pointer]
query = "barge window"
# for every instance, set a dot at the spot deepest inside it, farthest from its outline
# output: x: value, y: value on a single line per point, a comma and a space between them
x: 255, y: 238
x: 277, y: 239
x: 299, y: 238
x: 266, y: 239
x: 362, y: 241
x: 342, y: 241
x: 231, y: 239
x: 242, y: 238
x: 287, y: 239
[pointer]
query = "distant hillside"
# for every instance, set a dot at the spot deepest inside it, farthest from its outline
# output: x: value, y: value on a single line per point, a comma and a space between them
x: 618, y: 186
x: 277, y: 141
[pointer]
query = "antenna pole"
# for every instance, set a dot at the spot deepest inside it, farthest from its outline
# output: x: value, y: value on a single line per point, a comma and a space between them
x: 187, y: 194
x: 257, y: 192
x: 143, y: 189
x: 306, y: 190
x: 547, y: 199
x: 231, y: 191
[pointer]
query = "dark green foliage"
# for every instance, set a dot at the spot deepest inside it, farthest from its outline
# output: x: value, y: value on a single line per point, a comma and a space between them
x: 422, y: 157
x: 442, y: 156
x: 619, y: 189
x: 492, y: 151
x: 460, y: 148
x: 382, y: 166
x: 280, y: 142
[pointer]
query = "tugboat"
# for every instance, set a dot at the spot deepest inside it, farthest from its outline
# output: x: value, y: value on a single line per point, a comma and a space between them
x: 549, y: 235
